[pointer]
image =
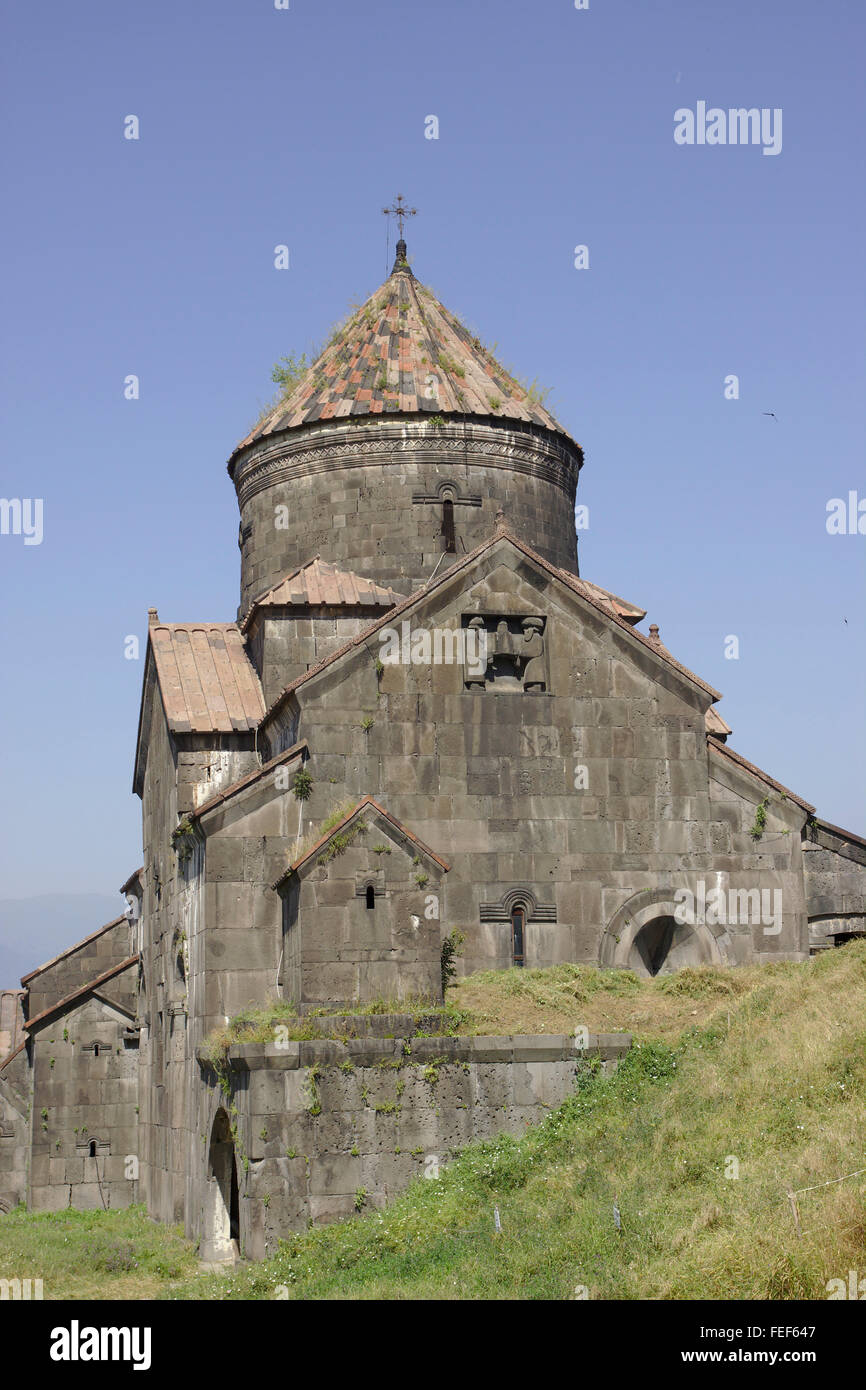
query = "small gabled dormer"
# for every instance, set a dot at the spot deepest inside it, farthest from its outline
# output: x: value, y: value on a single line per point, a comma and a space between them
x: 362, y: 913
x: 307, y: 616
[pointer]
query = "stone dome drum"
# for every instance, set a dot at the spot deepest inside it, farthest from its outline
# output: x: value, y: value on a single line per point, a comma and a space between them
x: 399, y: 446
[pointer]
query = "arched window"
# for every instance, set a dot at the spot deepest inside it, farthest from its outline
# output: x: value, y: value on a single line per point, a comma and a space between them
x: 91, y: 1148
x: 96, y: 1049
x: 371, y: 896
x: 449, y: 538
x: 518, y: 932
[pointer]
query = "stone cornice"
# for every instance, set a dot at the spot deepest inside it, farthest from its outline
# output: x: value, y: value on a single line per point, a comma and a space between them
x: 331, y: 447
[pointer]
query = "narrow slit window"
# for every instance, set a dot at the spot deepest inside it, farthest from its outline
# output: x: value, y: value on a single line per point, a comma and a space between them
x: 449, y: 538
x: 371, y: 896
x: 91, y: 1148
x: 518, y: 932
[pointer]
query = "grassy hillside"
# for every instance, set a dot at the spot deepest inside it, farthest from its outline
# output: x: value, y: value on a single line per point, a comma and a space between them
x: 773, y: 1074
x: 94, y: 1254
x: 765, y: 1066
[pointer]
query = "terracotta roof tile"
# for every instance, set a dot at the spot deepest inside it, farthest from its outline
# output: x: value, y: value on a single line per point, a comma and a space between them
x: 319, y: 584
x: 207, y: 681
x: 401, y: 343
x: 715, y: 724
x: 620, y: 606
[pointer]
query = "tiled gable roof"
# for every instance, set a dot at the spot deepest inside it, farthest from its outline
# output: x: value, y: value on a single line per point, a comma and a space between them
x: 403, y: 352
x: 207, y: 681
x: 319, y: 584
x: 715, y: 724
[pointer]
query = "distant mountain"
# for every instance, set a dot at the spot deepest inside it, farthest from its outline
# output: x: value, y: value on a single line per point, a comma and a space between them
x: 33, y: 930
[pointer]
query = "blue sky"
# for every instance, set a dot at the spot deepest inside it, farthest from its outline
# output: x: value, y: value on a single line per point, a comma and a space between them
x: 260, y: 127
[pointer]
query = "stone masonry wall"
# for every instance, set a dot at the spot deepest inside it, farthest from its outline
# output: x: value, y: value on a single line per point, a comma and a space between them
x: 78, y: 967
x: 835, y: 877
x: 82, y: 1099
x: 283, y: 647
x: 338, y: 951
x: 163, y: 1107
x: 15, y: 1102
x: 319, y: 1121
x: 487, y: 780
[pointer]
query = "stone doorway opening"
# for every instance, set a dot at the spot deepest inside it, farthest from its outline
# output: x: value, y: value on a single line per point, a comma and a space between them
x: 221, y: 1235
x: 664, y: 945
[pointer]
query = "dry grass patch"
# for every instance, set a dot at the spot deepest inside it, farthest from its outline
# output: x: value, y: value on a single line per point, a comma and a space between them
x: 565, y: 997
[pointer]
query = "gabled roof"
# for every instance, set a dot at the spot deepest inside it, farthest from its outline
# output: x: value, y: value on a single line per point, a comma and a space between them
x: 70, y: 950
x: 382, y: 360
x: 207, y: 682
x: 365, y: 803
x: 571, y: 581
x: 620, y: 606
x: 318, y: 584
x: 723, y: 751
x: 715, y: 724
x: 89, y: 988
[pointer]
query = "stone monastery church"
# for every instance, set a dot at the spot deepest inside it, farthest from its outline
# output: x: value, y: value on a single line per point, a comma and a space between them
x: 330, y: 786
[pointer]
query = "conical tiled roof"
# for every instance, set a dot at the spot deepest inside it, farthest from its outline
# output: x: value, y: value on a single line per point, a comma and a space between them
x: 403, y: 352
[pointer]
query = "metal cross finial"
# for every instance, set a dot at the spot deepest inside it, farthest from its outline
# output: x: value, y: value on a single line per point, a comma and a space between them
x: 400, y: 211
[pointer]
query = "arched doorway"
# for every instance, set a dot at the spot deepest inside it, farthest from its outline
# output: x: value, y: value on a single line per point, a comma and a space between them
x: 221, y: 1235
x: 658, y: 945
x: 644, y: 935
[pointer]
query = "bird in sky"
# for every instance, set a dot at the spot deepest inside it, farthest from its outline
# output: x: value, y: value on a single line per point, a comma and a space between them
x: 771, y: 413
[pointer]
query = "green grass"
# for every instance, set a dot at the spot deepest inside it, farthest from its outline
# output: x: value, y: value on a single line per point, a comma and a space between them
x: 776, y: 1079
x: 258, y: 1024
x: 95, y: 1254
x: 772, y: 1074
